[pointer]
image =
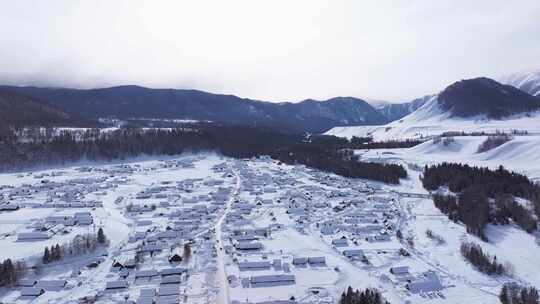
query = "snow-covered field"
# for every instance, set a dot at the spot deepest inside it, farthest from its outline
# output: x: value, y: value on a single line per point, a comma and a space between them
x: 520, y: 154
x: 258, y: 231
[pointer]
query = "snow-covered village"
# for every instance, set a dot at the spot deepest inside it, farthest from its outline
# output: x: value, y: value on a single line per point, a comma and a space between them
x: 206, y: 228
x: 269, y: 152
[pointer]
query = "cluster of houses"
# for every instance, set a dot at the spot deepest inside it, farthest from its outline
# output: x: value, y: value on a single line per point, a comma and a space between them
x: 426, y: 282
x: 68, y: 194
x: 166, y: 281
x: 54, y: 224
x: 172, y: 214
x: 32, y: 288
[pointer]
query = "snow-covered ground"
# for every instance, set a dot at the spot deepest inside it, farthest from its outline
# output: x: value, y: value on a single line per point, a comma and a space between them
x: 429, y: 120
x: 218, y: 205
x: 520, y: 154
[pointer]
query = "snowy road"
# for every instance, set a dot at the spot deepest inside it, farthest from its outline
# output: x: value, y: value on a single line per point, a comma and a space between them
x: 223, y: 294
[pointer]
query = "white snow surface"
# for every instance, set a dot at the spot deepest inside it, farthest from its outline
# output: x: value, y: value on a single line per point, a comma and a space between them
x: 528, y: 81
x: 406, y: 207
x: 430, y: 120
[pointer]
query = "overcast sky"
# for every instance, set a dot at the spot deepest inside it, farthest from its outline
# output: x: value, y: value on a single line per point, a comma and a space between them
x: 270, y: 50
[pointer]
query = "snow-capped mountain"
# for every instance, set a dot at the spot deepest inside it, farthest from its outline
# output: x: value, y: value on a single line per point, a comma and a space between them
x: 377, y: 103
x: 526, y: 81
x: 395, y: 111
x: 485, y: 97
x: 479, y: 104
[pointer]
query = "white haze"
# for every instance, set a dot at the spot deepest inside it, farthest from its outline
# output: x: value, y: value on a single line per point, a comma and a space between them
x: 270, y: 50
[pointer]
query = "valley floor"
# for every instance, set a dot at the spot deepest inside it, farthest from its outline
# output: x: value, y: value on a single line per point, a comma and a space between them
x: 257, y: 231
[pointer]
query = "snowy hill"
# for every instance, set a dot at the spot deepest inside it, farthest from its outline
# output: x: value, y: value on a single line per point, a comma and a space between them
x: 526, y: 81
x: 485, y: 97
x: 517, y: 154
x: 467, y: 106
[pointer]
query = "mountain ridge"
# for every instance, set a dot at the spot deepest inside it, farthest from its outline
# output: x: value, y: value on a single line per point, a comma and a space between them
x: 131, y: 101
x: 20, y: 110
x: 479, y: 104
x: 526, y: 81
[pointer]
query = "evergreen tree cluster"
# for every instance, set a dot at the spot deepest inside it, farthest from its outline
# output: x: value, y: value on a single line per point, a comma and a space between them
x: 471, y: 207
x: 481, y: 260
x: 367, y: 296
x: 512, y: 293
x: 507, y: 208
x: 187, y: 251
x: 52, y: 255
x: 233, y: 141
x: 476, y: 188
x: 11, y: 272
x: 81, y: 244
x: 330, y: 141
x: 101, y: 238
x: 493, y: 141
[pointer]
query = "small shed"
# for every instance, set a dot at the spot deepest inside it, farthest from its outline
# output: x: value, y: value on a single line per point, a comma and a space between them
x: 169, y: 290
x: 51, y: 285
x: 172, y: 279
x: 272, y: 280
x: 32, y: 292
x: 400, y: 270
x: 146, y: 274
x: 256, y: 265
x: 32, y: 236
x: 340, y: 242
x: 114, y: 285
x: 172, y: 271
x: 248, y: 246
x: 320, y: 260
x: 354, y: 253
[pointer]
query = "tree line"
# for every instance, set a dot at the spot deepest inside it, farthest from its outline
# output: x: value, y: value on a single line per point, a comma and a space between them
x: 512, y: 293
x: 483, y: 196
x: 11, y: 272
x: 366, y: 296
x: 81, y: 244
x: 66, y: 147
x: 481, y: 260
x: 493, y: 141
x: 362, y: 142
x: 333, y: 161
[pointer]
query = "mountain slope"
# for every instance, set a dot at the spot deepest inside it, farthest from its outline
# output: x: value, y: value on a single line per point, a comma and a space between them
x: 528, y: 82
x: 484, y: 96
x: 472, y: 105
x: 395, y: 111
x: 139, y: 102
x: 21, y: 110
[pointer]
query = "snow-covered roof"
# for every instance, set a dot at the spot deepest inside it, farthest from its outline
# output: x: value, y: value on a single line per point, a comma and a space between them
x: 31, y: 291
x: 272, y: 278
x: 120, y: 284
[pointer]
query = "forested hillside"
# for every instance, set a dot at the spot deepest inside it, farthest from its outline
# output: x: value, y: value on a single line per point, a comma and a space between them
x: 480, y: 196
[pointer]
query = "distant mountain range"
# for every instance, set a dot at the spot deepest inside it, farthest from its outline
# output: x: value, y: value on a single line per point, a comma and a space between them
x: 472, y: 105
x: 126, y: 102
x: 20, y: 110
x: 395, y: 111
x: 528, y: 82
x: 485, y: 97
x: 479, y: 97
